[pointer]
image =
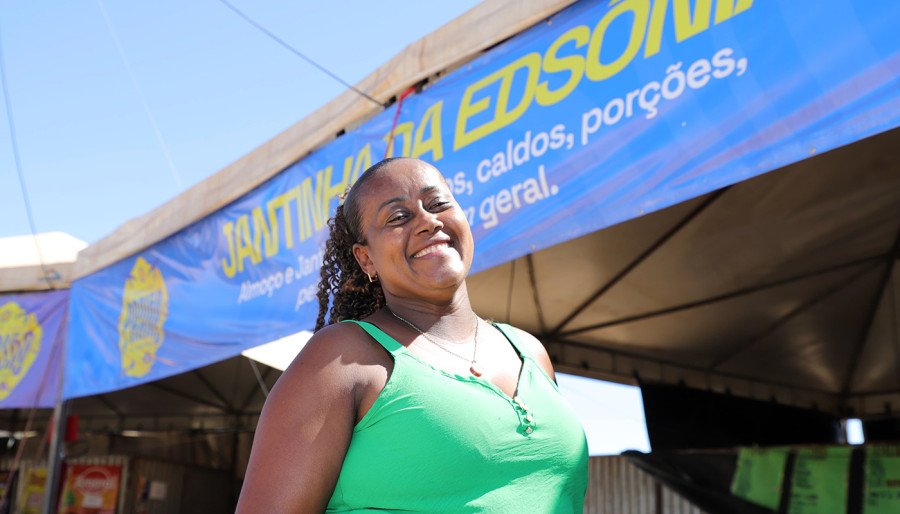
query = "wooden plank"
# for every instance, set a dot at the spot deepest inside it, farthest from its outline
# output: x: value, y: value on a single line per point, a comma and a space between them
x: 456, y: 42
x: 31, y: 277
x: 21, y: 257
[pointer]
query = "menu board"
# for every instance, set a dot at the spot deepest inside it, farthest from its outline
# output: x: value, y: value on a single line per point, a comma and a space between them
x: 882, y: 489
x: 759, y: 475
x: 31, y: 491
x: 90, y: 489
x: 820, y: 481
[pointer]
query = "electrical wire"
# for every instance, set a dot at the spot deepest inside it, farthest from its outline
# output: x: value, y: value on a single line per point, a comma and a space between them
x: 390, y: 146
x: 21, y: 174
x: 47, y: 277
x: 137, y: 89
x: 299, y: 53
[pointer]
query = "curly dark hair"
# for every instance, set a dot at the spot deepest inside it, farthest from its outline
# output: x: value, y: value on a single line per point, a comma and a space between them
x: 342, y: 283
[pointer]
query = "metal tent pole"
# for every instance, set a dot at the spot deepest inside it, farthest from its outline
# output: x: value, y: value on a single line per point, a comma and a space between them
x: 55, y: 457
x: 56, y: 453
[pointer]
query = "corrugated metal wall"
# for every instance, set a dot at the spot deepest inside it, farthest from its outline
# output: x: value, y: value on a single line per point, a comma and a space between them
x: 143, y: 473
x: 188, y: 489
x: 618, y: 487
x: 615, y: 487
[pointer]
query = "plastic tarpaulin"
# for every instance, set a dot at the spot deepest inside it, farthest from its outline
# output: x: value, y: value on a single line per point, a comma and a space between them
x: 605, y: 112
x: 32, y: 334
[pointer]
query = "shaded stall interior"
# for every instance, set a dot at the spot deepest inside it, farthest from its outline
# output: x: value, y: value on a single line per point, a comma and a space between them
x: 782, y: 288
x: 191, y: 432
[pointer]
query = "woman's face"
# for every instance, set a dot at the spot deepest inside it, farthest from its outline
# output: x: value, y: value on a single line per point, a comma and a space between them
x: 418, y: 240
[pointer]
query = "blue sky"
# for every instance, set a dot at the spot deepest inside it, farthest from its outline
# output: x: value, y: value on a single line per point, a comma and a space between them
x: 217, y: 87
x: 612, y: 414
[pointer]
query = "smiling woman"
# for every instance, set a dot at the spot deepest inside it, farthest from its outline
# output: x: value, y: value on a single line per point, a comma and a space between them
x: 404, y: 399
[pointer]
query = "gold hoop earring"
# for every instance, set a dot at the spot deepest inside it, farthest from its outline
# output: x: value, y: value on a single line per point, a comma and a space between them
x: 370, y: 277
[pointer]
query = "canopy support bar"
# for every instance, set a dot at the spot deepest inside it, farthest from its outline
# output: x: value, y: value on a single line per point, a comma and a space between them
x: 800, y: 309
x: 894, y: 320
x: 254, y: 388
x: 86, y: 422
x: 640, y: 259
x: 860, y: 344
x: 878, y: 392
x: 102, y: 398
x: 726, y: 296
x: 259, y: 378
x: 212, y: 389
x: 190, y: 397
x: 529, y: 260
x: 672, y: 364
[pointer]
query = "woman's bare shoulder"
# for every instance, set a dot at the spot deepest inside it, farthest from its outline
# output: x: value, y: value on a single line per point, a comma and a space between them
x: 324, y: 365
x: 339, y: 342
x: 306, y: 424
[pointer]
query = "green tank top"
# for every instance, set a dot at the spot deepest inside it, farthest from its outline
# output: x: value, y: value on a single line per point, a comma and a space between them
x: 440, y: 442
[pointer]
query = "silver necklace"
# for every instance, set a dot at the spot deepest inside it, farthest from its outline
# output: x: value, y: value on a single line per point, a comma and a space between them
x: 474, y: 368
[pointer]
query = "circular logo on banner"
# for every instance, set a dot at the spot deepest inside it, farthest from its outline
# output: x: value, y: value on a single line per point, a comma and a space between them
x: 145, y: 305
x: 20, y: 342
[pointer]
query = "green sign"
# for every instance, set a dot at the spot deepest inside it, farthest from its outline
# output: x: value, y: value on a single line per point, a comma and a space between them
x: 820, y: 481
x: 759, y: 475
x: 882, y: 492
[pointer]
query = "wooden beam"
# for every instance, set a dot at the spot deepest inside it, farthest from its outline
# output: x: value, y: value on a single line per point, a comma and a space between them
x: 460, y: 40
x: 55, y: 275
x: 38, y: 262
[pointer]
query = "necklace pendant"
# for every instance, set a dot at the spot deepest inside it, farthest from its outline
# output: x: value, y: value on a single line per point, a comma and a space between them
x: 475, y: 370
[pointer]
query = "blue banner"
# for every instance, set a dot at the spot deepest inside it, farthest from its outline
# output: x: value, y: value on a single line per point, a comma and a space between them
x: 606, y: 112
x: 32, y: 335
